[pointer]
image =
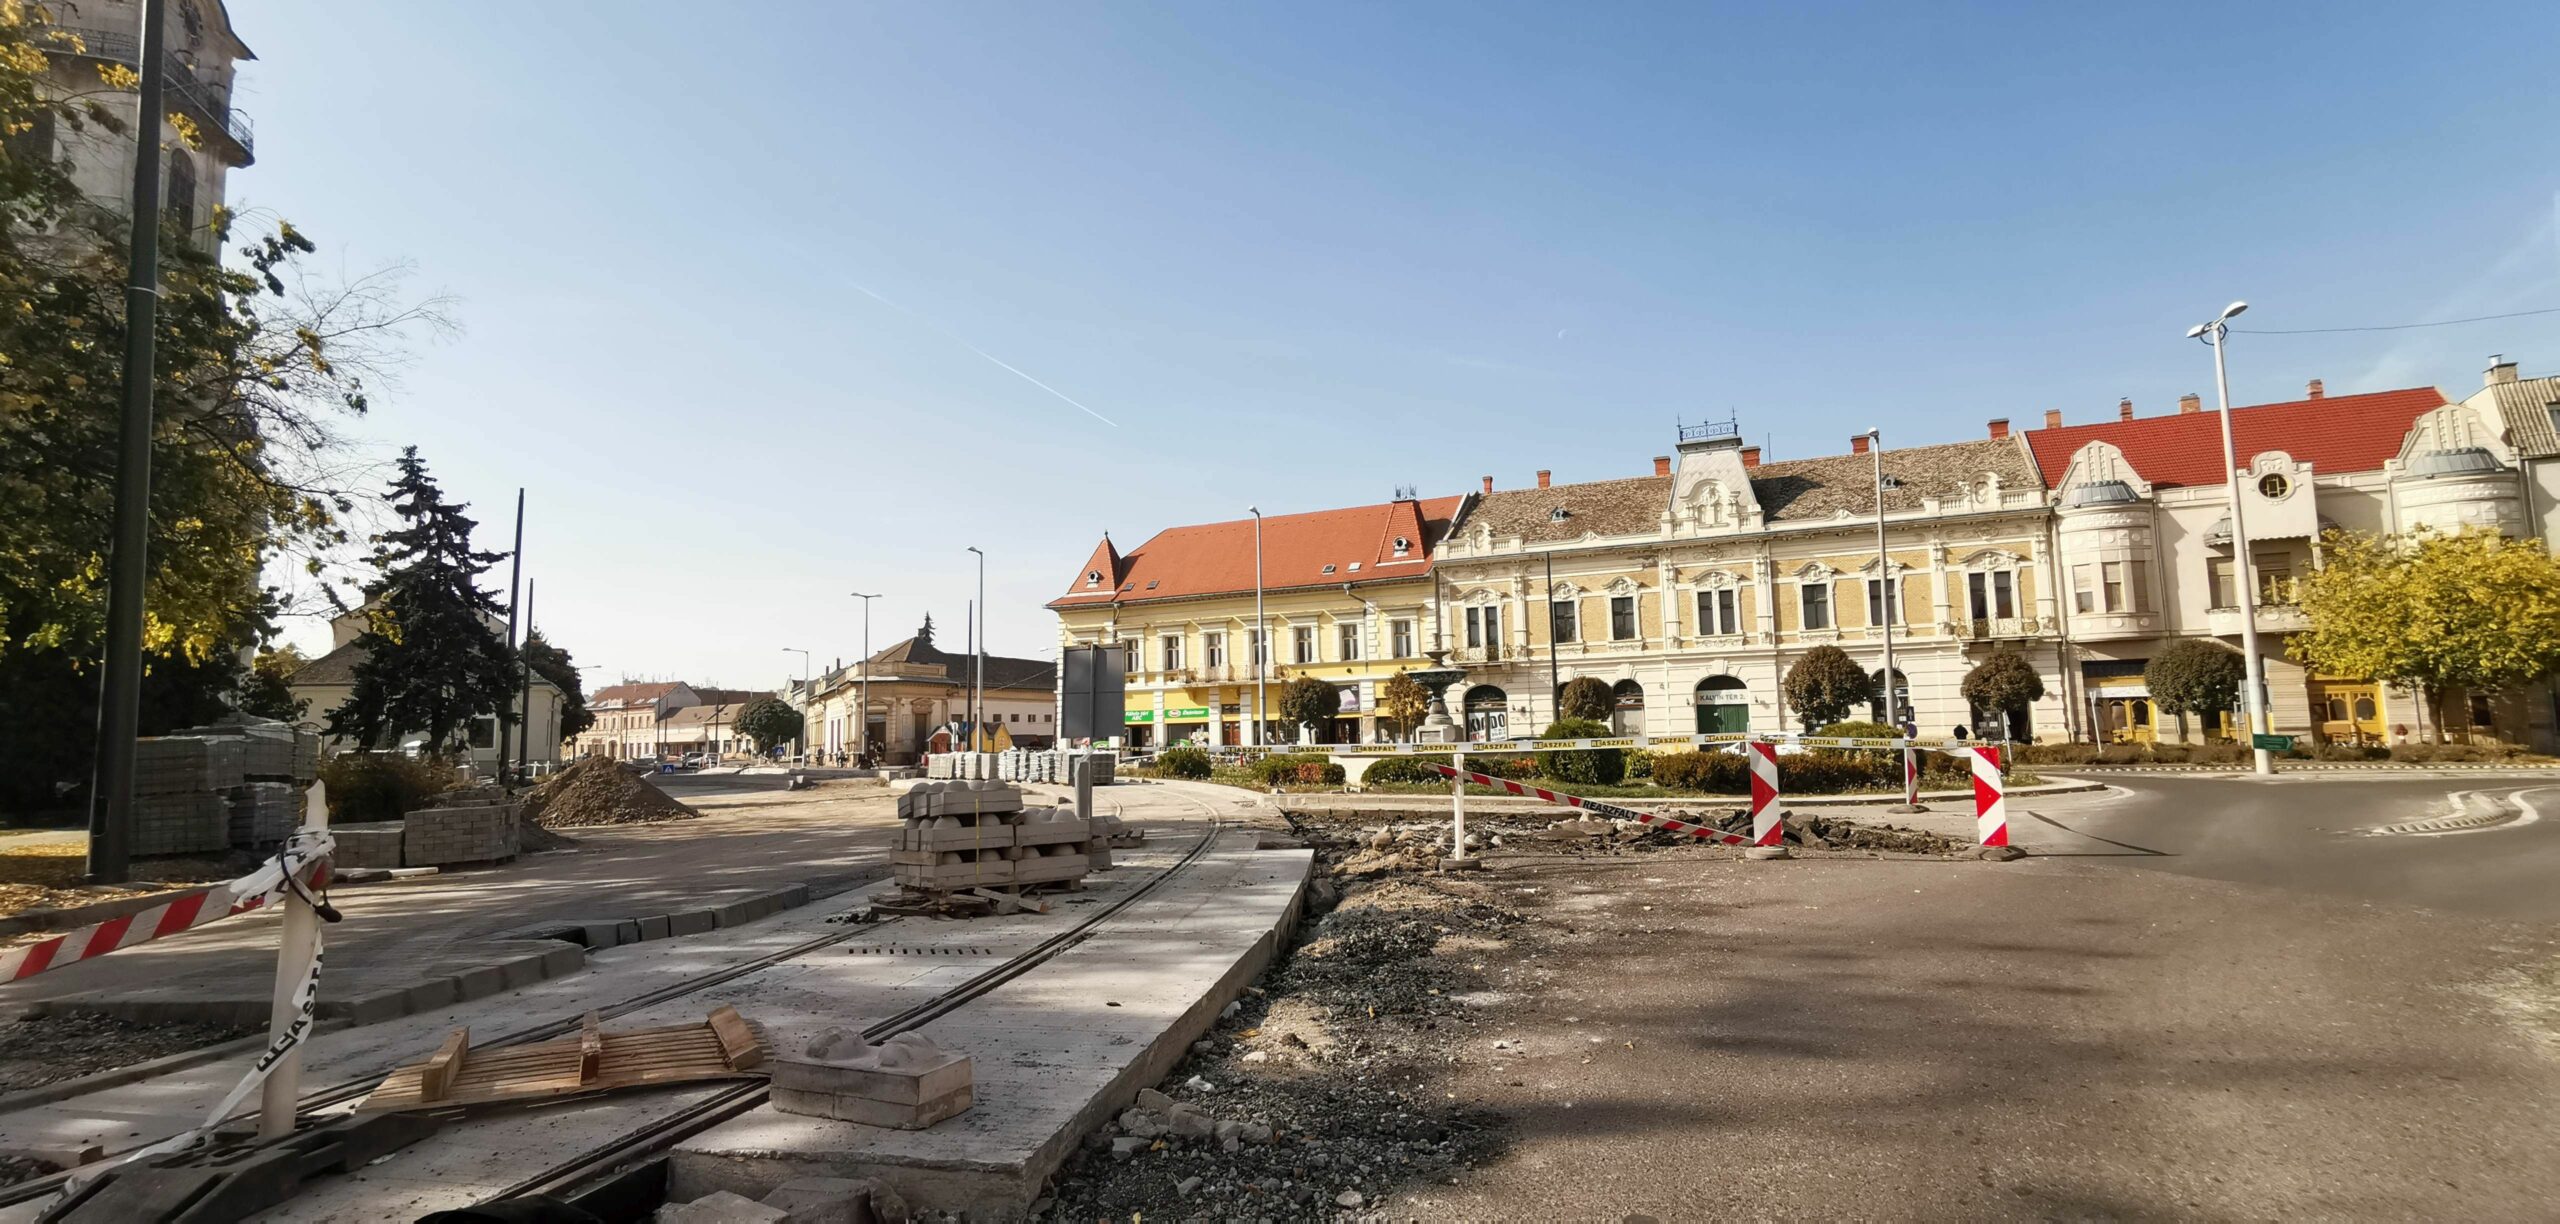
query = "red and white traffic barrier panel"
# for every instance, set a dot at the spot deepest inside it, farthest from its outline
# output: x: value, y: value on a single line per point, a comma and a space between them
x: 1597, y: 808
x: 1990, y: 798
x: 1910, y: 778
x: 1768, y: 819
x: 306, y: 854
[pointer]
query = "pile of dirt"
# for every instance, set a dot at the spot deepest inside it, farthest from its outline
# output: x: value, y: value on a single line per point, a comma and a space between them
x: 596, y: 791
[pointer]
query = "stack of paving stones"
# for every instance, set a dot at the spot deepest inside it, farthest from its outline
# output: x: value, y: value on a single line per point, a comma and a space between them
x: 1018, y: 765
x: 476, y: 824
x: 259, y: 770
x: 178, y: 794
x: 975, y: 834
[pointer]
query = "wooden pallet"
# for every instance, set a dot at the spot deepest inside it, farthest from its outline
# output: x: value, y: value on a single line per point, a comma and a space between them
x: 724, y: 1046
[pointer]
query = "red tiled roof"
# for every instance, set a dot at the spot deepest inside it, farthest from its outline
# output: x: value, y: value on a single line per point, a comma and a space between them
x: 2335, y: 435
x: 631, y: 692
x: 1217, y: 558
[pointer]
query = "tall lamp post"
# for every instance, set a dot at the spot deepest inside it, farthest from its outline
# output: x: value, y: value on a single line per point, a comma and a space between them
x: 2242, y: 569
x: 862, y: 737
x: 801, y: 741
x: 1261, y: 630
x: 1888, y: 606
x: 978, y: 659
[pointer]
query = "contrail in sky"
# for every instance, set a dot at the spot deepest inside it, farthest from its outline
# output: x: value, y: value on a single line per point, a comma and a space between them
x: 1000, y: 362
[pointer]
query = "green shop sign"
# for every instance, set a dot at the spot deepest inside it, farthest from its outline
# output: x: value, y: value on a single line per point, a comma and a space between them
x: 1188, y: 712
x: 1138, y: 716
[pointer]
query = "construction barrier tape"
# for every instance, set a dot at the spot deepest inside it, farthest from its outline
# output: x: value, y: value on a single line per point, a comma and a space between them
x: 303, y: 852
x: 1598, y: 808
x: 1641, y: 741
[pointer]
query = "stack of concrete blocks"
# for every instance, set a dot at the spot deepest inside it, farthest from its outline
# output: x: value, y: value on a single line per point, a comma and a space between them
x: 956, y: 835
x: 367, y: 844
x: 906, y: 1082
x: 1049, y: 846
x: 469, y: 825
x: 277, y: 764
x: 263, y: 814
x: 1058, y: 767
x: 178, y: 804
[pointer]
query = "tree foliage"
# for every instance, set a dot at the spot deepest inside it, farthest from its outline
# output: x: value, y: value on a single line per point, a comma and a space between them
x: 1403, y: 704
x: 553, y: 664
x: 1603, y: 766
x: 432, y: 662
x: 2002, y: 684
x: 1825, y: 685
x: 2195, y: 676
x: 770, y: 722
x: 2473, y: 610
x: 1309, y: 702
x: 265, y: 693
x: 1586, y: 697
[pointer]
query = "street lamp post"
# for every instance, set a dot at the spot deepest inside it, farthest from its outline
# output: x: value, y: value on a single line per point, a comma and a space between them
x: 1261, y: 630
x: 800, y: 742
x: 978, y: 659
x: 862, y: 737
x: 2242, y: 570
x: 1887, y: 604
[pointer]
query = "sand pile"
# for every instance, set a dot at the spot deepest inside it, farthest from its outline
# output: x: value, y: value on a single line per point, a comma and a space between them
x: 595, y: 791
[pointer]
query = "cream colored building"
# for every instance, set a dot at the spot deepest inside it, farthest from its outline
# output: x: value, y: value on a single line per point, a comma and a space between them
x: 326, y: 683
x: 915, y: 688
x: 203, y: 54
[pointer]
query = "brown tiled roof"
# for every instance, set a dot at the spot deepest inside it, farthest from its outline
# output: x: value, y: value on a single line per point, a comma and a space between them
x: 730, y: 697
x: 1593, y: 507
x: 2524, y: 407
x: 1799, y: 489
x: 630, y: 692
x: 1318, y: 548
x: 336, y: 667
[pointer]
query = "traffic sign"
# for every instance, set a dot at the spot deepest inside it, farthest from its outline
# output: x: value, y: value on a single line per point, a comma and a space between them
x: 2272, y: 743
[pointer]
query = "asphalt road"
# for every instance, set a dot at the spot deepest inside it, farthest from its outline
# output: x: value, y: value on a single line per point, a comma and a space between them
x: 2316, y: 833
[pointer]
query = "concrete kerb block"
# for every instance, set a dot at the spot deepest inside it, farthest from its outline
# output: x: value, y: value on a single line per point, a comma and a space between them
x: 479, y: 982
x: 563, y: 960
x: 722, y: 1207
x: 368, y: 1009
x: 655, y: 926
x: 429, y: 995
x: 692, y: 922
x: 838, y: 1200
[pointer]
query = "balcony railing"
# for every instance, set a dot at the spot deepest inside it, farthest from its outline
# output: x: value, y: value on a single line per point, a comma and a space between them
x: 179, y: 80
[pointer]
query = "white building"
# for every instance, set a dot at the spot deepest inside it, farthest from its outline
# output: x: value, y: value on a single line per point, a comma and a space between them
x: 202, y: 56
x: 327, y: 682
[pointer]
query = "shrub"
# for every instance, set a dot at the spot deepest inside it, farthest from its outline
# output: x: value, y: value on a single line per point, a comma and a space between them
x: 1596, y: 766
x: 2066, y: 753
x: 1586, y: 698
x: 1319, y: 773
x: 382, y: 785
x: 1416, y: 768
x: 1516, y: 768
x: 2002, y: 683
x: 1183, y: 762
x: 2423, y: 754
x: 1282, y: 767
x: 1639, y: 763
x: 1712, y: 773
x: 1859, y: 728
x: 1825, y: 684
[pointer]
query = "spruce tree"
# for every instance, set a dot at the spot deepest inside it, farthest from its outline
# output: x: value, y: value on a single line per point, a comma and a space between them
x: 432, y: 661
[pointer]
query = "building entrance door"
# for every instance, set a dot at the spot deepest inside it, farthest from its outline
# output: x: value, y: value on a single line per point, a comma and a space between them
x: 2348, y: 711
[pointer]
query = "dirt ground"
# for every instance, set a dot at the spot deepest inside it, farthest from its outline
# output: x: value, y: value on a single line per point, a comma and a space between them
x: 46, y: 875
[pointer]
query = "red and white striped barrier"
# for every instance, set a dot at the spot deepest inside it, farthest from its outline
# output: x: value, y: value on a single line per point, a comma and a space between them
x: 1596, y: 807
x: 1990, y: 799
x: 305, y: 853
x: 1768, y: 820
x: 1910, y: 778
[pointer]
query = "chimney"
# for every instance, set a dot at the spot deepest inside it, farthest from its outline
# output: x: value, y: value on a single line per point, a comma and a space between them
x: 2501, y: 370
x: 2053, y: 418
x: 1750, y: 456
x: 1542, y: 477
x: 1858, y: 444
x: 1662, y: 465
x: 2192, y: 402
x: 2124, y: 410
x: 1999, y: 427
x: 1488, y: 484
x: 2313, y: 390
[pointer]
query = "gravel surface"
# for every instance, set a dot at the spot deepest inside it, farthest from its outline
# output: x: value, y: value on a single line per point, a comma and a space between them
x: 37, y: 1050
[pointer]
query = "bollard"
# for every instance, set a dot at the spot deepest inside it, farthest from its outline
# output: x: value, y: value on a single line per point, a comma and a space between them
x: 1458, y: 810
x: 1768, y: 819
x: 1910, y: 783
x: 280, y: 1098
x: 1990, y: 799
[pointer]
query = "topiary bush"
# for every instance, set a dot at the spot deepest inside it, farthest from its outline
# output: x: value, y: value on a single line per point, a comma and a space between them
x: 1594, y: 766
x: 1183, y: 762
x: 1586, y: 698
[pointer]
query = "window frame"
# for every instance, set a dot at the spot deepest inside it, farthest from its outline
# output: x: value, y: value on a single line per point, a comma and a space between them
x: 1564, y: 620
x: 1400, y: 638
x: 1625, y: 624
x: 1171, y: 651
x: 1347, y: 636
x: 1881, y: 592
x: 1813, y: 598
x: 1303, y: 645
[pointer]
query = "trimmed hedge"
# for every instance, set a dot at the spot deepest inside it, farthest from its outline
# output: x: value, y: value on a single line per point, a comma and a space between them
x: 367, y: 786
x: 1183, y: 762
x: 1415, y: 768
x: 1592, y: 766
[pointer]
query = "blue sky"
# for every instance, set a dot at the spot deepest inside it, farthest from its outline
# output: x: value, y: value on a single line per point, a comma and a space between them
x: 734, y: 282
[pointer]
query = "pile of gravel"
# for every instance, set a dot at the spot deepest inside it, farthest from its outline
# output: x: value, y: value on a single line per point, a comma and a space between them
x: 596, y: 791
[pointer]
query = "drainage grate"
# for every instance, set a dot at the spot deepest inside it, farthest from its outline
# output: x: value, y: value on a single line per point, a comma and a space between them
x: 903, y: 950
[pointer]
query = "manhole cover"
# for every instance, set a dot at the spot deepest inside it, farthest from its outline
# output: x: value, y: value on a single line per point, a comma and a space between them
x: 903, y: 950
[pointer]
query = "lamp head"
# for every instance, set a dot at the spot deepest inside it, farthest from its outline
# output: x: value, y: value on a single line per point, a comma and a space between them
x: 2197, y: 330
x: 2234, y: 309
x: 1255, y: 511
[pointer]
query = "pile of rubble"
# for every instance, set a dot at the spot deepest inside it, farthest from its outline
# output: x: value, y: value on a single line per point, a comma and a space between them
x: 1367, y: 850
x: 596, y: 791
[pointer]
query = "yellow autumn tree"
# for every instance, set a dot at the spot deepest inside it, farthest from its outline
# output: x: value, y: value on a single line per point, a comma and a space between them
x: 2473, y: 610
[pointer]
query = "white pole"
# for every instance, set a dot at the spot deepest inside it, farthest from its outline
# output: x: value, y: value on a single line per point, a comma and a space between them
x: 1458, y: 809
x: 280, y: 1098
x: 1261, y: 632
x: 2242, y: 569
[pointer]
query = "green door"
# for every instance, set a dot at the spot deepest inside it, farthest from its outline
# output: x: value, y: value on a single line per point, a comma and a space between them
x: 1723, y: 719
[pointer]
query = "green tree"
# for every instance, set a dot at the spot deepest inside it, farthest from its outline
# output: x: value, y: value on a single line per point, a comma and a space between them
x: 1825, y: 685
x: 432, y: 662
x: 553, y: 664
x: 2002, y: 686
x: 264, y: 692
x: 1309, y: 702
x: 2473, y: 610
x: 1586, y: 697
x: 1604, y: 766
x: 769, y: 721
x: 1403, y: 704
x: 2195, y: 676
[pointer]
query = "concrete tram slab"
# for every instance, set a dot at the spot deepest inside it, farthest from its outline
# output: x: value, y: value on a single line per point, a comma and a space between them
x: 1057, y: 1050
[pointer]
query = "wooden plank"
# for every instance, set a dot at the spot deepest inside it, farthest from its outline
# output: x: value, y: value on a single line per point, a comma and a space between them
x: 739, y: 1049
x: 436, y: 1078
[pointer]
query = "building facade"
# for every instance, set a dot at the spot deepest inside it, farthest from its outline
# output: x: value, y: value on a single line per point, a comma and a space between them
x: 202, y: 54
x: 1693, y: 591
x: 1346, y: 597
x: 628, y: 718
x: 325, y: 684
x: 916, y: 688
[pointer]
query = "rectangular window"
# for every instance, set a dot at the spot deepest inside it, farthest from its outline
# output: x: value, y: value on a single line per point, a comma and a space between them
x: 1993, y: 594
x: 1302, y: 643
x: 484, y: 732
x: 1978, y: 587
x: 1172, y: 653
x: 1401, y: 633
x: 2141, y: 592
x: 1475, y: 627
x: 1213, y: 649
x: 1880, y: 590
x: 2275, y: 581
x: 1622, y: 618
x: 1261, y: 648
x: 1816, y: 597
x: 2084, y: 589
x: 1348, y: 637
x: 1718, y: 613
x: 2112, y: 576
x: 1564, y: 615
x: 2220, y: 583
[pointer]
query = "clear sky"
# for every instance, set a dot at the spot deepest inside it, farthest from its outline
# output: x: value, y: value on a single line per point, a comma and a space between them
x: 735, y: 279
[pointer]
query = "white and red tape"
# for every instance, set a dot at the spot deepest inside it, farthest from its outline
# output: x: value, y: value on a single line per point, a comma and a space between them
x: 307, y: 852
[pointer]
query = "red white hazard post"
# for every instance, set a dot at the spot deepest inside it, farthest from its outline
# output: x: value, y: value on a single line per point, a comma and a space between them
x: 1768, y: 819
x: 1990, y: 798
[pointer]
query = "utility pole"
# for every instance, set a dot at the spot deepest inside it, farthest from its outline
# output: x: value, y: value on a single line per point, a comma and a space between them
x: 978, y: 656
x: 2242, y: 564
x: 120, y: 692
x: 524, y: 746
x: 1555, y: 685
x: 862, y: 736
x: 1261, y: 632
x: 515, y: 587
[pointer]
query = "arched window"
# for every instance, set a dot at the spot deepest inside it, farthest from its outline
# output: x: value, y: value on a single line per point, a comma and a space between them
x: 1488, y: 713
x: 1724, y: 706
x: 1901, y: 697
x: 1628, y: 718
x: 181, y: 206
